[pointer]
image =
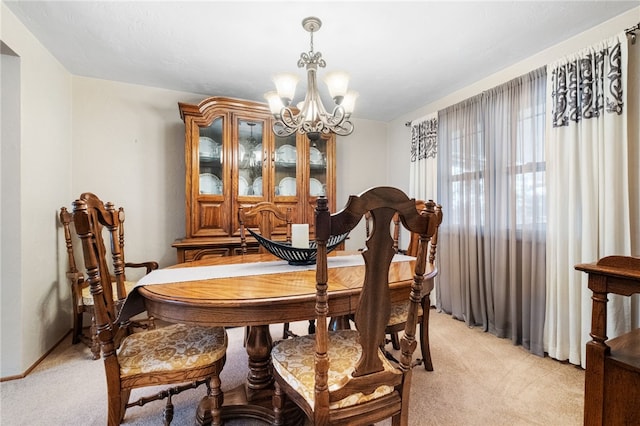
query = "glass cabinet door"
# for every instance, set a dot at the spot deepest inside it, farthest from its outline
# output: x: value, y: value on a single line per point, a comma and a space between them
x: 210, y: 159
x: 318, y: 168
x: 285, y: 166
x: 250, y: 158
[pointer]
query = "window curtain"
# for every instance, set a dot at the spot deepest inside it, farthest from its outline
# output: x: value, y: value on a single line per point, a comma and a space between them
x: 423, y: 166
x: 491, y: 183
x: 423, y: 169
x: 590, y: 191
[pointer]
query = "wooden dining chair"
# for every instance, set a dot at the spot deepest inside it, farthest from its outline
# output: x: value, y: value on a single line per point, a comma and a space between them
x: 399, y: 310
x: 180, y: 355
x: 80, y: 292
x: 266, y: 216
x: 343, y: 377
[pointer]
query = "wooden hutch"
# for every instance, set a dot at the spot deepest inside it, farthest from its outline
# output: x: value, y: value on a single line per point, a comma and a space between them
x: 233, y: 159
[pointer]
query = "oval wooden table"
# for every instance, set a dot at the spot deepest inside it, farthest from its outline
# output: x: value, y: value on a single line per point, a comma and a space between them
x: 257, y: 301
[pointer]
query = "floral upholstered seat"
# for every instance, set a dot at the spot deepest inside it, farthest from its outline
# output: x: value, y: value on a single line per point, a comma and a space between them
x: 175, y: 347
x: 293, y: 359
x: 399, y: 313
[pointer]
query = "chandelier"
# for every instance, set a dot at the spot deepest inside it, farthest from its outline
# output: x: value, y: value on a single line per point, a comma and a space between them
x: 311, y: 118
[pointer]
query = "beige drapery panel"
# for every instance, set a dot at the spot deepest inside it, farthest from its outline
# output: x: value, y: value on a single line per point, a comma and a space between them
x: 593, y: 190
x: 423, y: 168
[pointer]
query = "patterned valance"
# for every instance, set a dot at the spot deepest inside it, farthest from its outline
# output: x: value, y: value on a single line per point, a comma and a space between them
x: 424, y: 140
x: 587, y: 85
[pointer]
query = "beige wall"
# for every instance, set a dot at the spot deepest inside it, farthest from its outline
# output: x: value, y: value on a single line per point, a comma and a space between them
x: 128, y: 147
x: 36, y: 310
x: 361, y: 165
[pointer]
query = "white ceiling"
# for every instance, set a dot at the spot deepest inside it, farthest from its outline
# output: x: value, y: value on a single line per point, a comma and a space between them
x: 400, y: 55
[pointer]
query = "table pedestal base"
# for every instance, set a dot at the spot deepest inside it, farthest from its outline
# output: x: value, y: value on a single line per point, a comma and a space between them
x: 253, y: 400
x: 260, y: 407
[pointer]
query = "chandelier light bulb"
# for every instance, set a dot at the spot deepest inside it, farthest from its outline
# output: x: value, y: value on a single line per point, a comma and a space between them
x: 275, y: 103
x: 349, y: 101
x: 337, y: 83
x: 286, y: 86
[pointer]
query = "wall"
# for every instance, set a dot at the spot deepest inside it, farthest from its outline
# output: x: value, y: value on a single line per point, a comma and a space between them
x: 128, y: 146
x: 10, y: 189
x: 360, y: 166
x: 36, y: 311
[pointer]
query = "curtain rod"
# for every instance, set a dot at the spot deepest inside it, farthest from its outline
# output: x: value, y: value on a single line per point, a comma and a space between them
x: 423, y: 118
x: 631, y: 32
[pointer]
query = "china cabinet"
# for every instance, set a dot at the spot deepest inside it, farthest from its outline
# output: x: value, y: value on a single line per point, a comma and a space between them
x: 233, y: 159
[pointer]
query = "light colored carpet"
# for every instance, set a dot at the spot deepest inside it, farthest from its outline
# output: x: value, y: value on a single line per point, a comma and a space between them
x: 479, y: 379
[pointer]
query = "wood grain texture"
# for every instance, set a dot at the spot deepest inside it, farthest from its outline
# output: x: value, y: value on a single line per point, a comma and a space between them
x: 266, y: 299
x: 612, y: 377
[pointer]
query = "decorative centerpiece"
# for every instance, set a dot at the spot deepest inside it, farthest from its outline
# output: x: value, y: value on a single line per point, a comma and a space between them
x: 296, y: 255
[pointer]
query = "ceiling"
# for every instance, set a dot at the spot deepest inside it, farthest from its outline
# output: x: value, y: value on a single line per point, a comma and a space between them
x: 400, y: 55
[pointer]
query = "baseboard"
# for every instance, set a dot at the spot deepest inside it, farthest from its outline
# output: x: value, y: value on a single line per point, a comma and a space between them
x: 35, y: 364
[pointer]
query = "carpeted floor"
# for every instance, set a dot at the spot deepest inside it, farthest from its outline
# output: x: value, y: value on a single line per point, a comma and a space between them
x: 479, y: 379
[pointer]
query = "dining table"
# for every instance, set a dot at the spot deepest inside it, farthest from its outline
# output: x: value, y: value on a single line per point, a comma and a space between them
x: 256, y: 290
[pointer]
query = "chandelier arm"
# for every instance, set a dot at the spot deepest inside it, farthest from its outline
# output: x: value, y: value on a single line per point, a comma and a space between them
x: 345, y: 128
x: 288, y: 118
x: 282, y: 132
x: 338, y: 115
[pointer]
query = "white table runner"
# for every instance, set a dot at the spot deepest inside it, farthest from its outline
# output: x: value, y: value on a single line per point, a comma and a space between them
x: 196, y: 273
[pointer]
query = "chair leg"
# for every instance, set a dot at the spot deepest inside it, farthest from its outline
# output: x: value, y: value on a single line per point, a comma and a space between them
x: 95, y: 344
x: 77, y: 327
x: 167, y: 413
x: 218, y: 400
x: 210, y: 408
x: 278, y: 405
x: 117, y: 404
x: 285, y: 331
x: 395, y: 342
x: 424, y: 335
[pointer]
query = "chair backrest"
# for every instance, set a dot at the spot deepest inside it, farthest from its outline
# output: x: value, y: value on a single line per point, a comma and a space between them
x: 395, y: 225
x: 90, y: 217
x: 76, y: 278
x: 73, y: 273
x: 267, y: 217
x: 412, y: 248
x: 373, y: 311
